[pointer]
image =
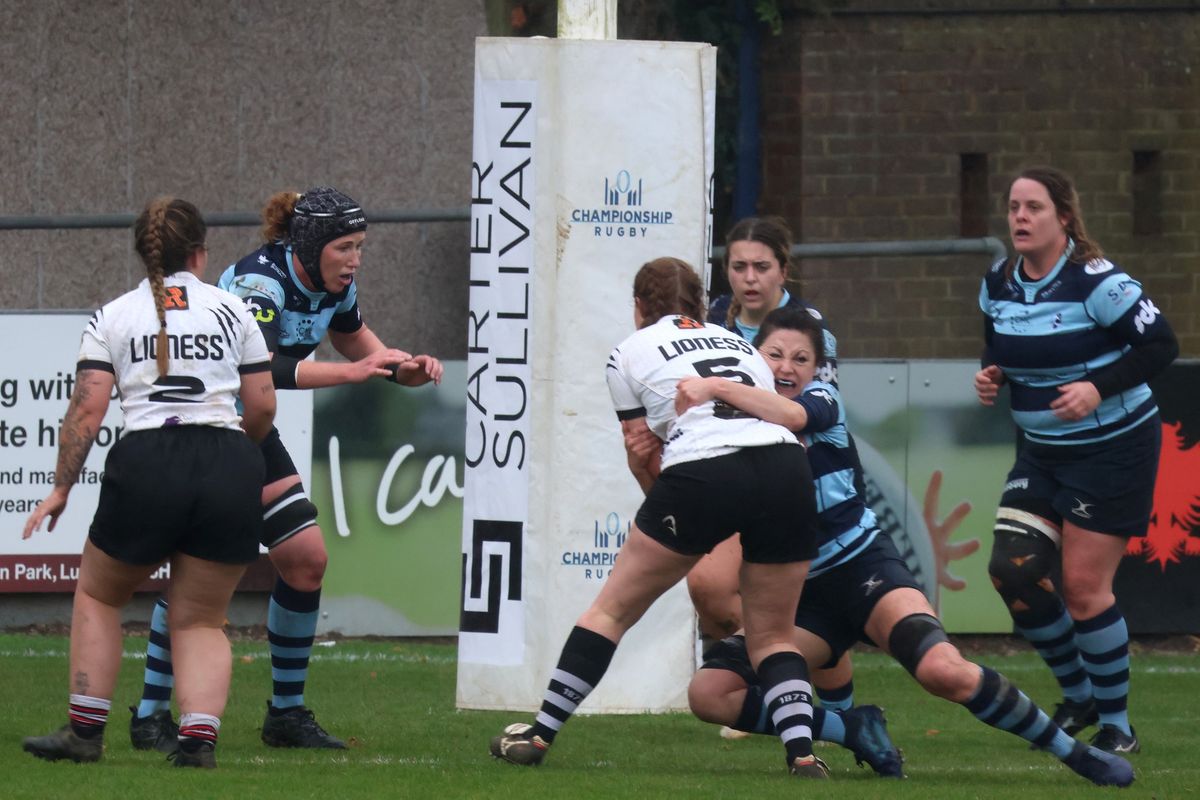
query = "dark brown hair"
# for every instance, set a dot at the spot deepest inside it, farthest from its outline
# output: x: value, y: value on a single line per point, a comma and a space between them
x: 165, y: 235
x: 794, y: 319
x: 770, y: 231
x: 1062, y: 193
x: 668, y: 286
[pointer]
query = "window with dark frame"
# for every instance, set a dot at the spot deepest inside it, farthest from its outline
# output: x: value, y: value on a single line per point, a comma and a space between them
x: 973, y: 194
x: 1147, y: 193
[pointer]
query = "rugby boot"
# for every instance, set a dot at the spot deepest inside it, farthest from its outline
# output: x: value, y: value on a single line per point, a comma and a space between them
x: 867, y: 738
x: 297, y: 727
x: 203, y: 755
x: 1112, y: 739
x: 518, y: 745
x: 1099, y: 767
x: 1074, y: 716
x: 64, y: 743
x: 808, y: 767
x: 155, y: 732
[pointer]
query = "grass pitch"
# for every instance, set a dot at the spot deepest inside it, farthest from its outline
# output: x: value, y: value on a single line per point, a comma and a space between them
x: 394, y: 701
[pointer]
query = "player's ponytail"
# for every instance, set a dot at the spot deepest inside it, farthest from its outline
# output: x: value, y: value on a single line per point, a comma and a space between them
x: 277, y: 215
x: 165, y: 234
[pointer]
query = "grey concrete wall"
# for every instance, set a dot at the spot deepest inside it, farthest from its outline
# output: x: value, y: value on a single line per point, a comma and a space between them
x: 108, y: 103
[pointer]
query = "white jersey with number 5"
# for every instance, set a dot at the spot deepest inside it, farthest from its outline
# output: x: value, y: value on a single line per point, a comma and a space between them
x: 644, y: 370
x: 213, y: 340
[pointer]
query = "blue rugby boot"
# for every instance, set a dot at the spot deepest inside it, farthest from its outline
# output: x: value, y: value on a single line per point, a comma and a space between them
x: 1099, y: 767
x: 867, y: 738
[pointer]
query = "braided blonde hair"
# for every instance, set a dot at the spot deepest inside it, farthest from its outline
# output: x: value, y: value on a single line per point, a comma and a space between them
x: 166, y: 234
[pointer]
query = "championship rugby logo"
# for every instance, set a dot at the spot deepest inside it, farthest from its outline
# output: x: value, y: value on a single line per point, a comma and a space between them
x: 622, y: 213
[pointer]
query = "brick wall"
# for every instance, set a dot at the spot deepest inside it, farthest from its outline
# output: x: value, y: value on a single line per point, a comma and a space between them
x: 867, y: 112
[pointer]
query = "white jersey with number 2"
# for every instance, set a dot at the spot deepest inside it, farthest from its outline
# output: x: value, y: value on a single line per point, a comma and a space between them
x: 213, y: 341
x: 644, y: 370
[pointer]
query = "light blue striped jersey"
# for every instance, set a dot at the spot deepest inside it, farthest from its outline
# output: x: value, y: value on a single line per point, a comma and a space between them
x: 1062, y: 328
x: 847, y: 525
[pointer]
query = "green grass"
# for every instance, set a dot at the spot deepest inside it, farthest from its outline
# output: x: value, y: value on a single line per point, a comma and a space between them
x: 396, y: 699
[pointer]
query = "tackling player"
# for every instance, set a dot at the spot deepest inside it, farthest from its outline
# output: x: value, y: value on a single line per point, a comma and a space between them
x: 859, y: 587
x: 709, y: 488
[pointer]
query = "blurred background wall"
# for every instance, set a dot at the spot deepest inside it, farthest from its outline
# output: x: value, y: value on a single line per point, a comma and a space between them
x: 877, y: 120
x: 108, y: 103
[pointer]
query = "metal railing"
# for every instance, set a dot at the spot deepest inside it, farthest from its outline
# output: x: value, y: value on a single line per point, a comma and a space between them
x: 987, y: 245
x: 219, y: 219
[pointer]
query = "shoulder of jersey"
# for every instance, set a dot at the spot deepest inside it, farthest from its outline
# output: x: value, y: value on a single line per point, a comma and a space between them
x: 268, y: 260
x: 825, y: 391
x: 1099, y: 270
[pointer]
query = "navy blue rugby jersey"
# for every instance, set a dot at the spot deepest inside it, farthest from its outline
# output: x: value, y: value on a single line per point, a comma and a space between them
x: 718, y: 314
x: 292, y: 318
x: 1076, y: 320
x: 847, y: 525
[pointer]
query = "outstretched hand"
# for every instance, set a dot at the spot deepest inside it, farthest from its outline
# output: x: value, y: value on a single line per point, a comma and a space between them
x: 945, y: 551
x: 53, y: 506
x: 417, y: 371
x: 378, y: 364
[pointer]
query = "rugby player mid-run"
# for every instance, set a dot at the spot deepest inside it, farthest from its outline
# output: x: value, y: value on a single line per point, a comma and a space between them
x: 182, y: 484
x: 858, y: 587
x: 299, y: 285
x: 709, y: 487
x: 1076, y: 339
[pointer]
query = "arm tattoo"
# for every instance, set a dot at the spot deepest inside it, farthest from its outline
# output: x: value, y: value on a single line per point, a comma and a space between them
x: 75, y: 438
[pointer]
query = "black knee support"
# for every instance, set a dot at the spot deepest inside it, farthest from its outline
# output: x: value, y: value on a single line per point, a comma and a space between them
x: 912, y: 637
x: 1025, y: 558
x: 289, y: 514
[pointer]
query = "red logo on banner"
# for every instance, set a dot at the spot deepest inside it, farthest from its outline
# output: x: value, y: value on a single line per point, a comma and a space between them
x: 1176, y: 511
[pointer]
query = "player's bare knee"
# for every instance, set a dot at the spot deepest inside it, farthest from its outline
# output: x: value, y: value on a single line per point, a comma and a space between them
x: 1086, y: 596
x: 943, y: 672
x: 701, y: 700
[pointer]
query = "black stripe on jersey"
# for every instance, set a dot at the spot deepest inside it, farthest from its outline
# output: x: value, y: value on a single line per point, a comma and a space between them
x: 1056, y: 350
x: 227, y: 320
x: 94, y: 322
x: 250, y: 369
x: 88, y: 363
x: 631, y: 413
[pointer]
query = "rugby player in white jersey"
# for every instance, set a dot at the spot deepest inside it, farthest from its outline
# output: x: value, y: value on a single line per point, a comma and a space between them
x: 182, y: 485
x: 723, y: 472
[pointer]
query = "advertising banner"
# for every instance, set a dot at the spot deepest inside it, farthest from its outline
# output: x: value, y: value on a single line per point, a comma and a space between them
x: 387, y: 478
x: 574, y: 187
x: 1158, y: 583
x: 35, y: 388
x: 936, y: 462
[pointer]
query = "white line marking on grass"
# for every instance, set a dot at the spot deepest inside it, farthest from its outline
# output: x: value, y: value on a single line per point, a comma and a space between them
x: 349, y: 658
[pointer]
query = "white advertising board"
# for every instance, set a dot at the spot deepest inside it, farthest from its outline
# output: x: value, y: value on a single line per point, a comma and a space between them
x: 590, y: 158
x: 37, y: 377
